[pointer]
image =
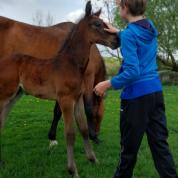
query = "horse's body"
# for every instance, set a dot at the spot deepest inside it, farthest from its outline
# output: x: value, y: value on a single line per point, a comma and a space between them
x: 44, y: 42
x: 59, y: 78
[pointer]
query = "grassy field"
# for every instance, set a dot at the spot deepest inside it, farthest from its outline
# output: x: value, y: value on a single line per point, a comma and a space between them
x: 25, y: 145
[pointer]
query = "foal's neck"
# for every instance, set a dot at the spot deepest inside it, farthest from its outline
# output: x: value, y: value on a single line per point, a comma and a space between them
x: 77, y: 47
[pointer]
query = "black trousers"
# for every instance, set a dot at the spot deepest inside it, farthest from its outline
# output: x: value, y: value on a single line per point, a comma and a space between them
x: 144, y: 115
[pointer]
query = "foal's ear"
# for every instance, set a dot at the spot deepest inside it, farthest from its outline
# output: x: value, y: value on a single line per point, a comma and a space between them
x: 88, y: 9
x: 98, y: 13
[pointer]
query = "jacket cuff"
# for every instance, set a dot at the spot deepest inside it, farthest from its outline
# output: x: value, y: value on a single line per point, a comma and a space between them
x: 115, y: 85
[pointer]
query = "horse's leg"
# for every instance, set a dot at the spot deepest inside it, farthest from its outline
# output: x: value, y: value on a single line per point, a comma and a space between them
x: 67, y: 107
x: 4, y: 110
x: 3, y: 114
x: 1, y: 125
x: 90, y: 110
x: 5, y: 107
x: 82, y: 124
x: 89, y: 104
x: 8, y: 106
x: 52, y: 132
x: 99, y: 115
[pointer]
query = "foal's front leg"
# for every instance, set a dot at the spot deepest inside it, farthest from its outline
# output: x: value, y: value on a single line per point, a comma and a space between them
x: 83, y: 127
x: 67, y: 107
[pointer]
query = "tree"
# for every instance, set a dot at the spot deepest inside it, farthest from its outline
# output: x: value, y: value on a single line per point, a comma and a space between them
x: 165, y: 16
x: 43, y: 20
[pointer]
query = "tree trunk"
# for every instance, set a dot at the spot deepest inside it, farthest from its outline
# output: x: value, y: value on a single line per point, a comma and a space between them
x: 173, y: 64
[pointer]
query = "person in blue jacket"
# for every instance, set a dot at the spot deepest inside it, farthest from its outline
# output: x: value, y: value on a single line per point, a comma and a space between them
x: 142, y: 104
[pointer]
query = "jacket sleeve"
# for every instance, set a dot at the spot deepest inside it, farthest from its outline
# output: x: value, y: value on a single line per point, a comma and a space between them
x: 130, y: 65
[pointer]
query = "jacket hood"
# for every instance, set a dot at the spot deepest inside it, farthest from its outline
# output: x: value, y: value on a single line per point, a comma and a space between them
x: 144, y: 30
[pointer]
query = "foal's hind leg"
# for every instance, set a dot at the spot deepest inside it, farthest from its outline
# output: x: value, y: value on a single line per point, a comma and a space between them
x: 1, y: 124
x: 82, y: 124
x: 52, y: 132
x: 5, y: 107
x: 3, y: 110
x: 67, y: 107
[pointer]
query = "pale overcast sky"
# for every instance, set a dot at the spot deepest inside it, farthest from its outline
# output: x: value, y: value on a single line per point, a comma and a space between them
x: 60, y: 10
x: 25, y: 10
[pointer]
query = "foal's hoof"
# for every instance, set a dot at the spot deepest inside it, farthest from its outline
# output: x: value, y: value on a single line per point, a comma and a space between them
x: 93, y: 159
x: 52, y: 144
x: 76, y: 176
x: 73, y: 175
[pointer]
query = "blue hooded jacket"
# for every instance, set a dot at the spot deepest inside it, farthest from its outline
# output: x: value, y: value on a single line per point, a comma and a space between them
x: 138, y: 75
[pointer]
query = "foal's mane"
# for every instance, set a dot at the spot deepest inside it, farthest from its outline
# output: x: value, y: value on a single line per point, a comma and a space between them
x: 67, y: 40
x: 70, y: 36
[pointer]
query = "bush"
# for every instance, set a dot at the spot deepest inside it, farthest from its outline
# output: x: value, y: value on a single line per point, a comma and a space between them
x: 169, y: 77
x: 112, y: 66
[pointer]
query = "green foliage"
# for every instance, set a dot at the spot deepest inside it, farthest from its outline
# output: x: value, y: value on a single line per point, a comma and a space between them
x: 25, y: 145
x: 112, y: 66
x: 164, y: 14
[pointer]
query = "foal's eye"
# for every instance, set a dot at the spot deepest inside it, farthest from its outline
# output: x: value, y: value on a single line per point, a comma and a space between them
x: 97, y: 24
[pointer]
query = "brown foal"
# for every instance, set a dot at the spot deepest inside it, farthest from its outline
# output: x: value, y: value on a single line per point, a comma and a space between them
x: 59, y: 78
x: 44, y: 43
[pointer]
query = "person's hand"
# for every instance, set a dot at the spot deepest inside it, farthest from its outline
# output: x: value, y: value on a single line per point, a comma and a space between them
x: 110, y: 28
x: 101, y: 88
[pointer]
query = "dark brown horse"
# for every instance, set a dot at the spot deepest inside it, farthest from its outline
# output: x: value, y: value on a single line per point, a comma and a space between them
x: 59, y: 78
x: 44, y: 42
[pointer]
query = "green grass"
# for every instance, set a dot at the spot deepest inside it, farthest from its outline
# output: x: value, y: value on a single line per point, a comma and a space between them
x: 25, y: 145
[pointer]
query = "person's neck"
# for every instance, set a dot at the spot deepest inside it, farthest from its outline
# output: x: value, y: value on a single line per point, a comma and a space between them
x: 135, y: 18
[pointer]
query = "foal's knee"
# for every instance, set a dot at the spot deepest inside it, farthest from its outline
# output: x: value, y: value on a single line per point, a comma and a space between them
x: 70, y: 137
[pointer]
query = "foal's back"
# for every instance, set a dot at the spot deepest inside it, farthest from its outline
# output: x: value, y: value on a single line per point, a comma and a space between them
x: 41, y: 42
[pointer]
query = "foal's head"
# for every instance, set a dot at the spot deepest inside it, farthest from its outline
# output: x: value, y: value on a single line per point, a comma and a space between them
x: 94, y: 28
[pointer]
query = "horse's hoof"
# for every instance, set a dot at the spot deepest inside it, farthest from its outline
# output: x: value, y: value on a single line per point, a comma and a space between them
x: 97, y: 141
x: 52, y: 143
